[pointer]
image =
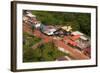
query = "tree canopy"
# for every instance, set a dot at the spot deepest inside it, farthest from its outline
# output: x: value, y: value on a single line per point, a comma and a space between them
x: 78, y: 21
x: 45, y: 52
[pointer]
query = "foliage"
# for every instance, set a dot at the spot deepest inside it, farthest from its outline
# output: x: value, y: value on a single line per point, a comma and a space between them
x: 32, y: 28
x: 79, y: 21
x: 45, y: 52
x: 30, y: 39
x: 28, y: 42
x: 50, y: 52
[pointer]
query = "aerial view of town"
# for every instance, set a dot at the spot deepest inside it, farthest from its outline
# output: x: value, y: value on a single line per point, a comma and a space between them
x: 56, y: 36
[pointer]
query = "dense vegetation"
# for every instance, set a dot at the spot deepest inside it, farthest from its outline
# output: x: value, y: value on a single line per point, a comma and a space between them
x: 78, y: 21
x: 45, y: 52
x: 28, y: 42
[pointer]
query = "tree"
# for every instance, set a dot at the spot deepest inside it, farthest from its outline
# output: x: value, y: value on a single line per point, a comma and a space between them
x: 78, y: 21
x: 33, y: 28
x: 84, y: 21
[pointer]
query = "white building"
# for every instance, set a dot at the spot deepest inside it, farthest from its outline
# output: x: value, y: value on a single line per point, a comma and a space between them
x: 81, y: 35
x: 31, y: 15
x: 37, y: 24
x: 49, y: 30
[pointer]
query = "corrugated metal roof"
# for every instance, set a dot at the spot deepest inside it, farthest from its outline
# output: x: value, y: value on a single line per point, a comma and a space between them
x: 77, y: 33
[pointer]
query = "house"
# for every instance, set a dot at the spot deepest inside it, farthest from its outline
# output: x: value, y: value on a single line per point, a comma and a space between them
x: 60, y: 32
x: 29, y: 18
x: 81, y: 40
x: 87, y: 51
x: 31, y: 15
x: 25, y: 19
x: 49, y: 30
x: 37, y: 24
x: 32, y: 20
x: 77, y: 33
x: 73, y: 43
x: 75, y: 37
x: 83, y: 44
x: 82, y: 36
x: 69, y: 41
x: 67, y: 28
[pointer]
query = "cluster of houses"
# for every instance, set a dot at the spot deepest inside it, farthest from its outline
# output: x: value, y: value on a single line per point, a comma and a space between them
x: 77, y: 38
x: 31, y: 19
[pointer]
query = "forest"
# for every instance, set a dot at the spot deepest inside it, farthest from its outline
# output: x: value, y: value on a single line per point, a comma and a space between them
x: 79, y: 21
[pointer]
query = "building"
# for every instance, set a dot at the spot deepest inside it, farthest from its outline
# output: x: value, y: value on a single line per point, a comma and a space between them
x: 73, y: 43
x: 67, y: 28
x: 83, y: 44
x: 87, y: 51
x: 25, y: 19
x: 48, y: 30
x: 37, y: 24
x: 82, y: 36
x: 29, y: 18
x: 75, y: 37
x: 31, y: 15
x: 81, y: 40
x: 60, y: 32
